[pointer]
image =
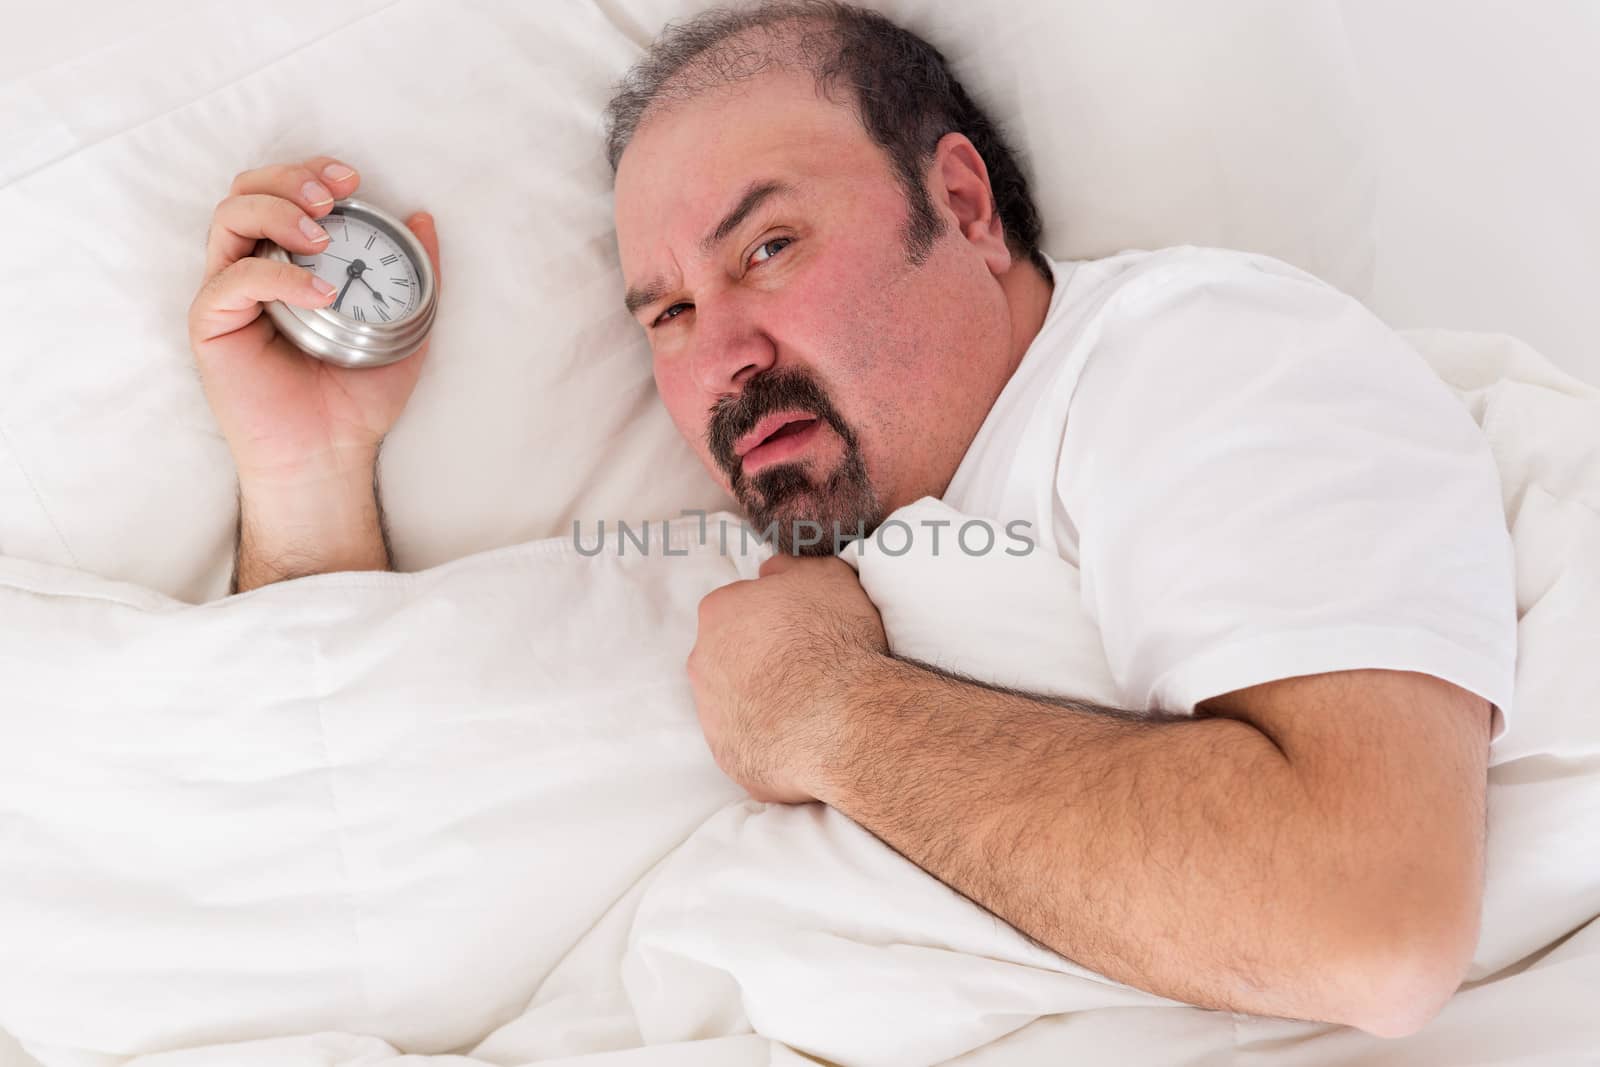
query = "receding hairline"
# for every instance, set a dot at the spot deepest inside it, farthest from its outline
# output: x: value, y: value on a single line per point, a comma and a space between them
x: 796, y: 38
x: 897, y: 85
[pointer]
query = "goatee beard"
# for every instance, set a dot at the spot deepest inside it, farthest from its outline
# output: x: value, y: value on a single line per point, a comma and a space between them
x: 804, y: 516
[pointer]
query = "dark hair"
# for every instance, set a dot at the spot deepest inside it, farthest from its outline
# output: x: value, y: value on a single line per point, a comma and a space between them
x: 901, y: 87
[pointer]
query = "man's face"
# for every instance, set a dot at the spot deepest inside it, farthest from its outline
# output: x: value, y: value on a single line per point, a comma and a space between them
x: 819, y: 374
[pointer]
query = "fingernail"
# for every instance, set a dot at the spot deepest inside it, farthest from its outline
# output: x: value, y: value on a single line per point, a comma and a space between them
x: 316, y: 194
x: 323, y: 287
x: 312, y: 230
x: 336, y: 172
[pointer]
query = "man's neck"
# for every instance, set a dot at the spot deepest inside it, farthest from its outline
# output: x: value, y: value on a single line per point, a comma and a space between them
x: 1027, y: 293
x: 1028, y: 296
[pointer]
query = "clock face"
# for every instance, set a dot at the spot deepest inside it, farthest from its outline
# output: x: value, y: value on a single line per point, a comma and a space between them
x: 376, y: 280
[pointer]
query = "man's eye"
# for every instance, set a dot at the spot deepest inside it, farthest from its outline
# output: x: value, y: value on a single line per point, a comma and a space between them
x: 781, y: 242
x: 667, y: 315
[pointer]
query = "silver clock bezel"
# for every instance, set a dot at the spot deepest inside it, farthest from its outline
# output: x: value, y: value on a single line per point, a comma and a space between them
x: 331, y: 336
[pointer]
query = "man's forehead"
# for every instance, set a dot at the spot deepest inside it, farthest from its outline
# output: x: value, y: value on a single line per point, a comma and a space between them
x: 687, y: 167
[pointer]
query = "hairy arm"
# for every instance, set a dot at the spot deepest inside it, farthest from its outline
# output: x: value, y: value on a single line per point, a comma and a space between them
x: 310, y: 524
x: 1309, y: 848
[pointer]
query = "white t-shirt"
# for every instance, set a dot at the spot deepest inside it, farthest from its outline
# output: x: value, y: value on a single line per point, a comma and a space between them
x: 1256, y: 478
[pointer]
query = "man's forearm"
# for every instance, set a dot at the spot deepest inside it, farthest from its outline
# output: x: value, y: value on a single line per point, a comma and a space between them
x: 312, y: 525
x: 1179, y: 855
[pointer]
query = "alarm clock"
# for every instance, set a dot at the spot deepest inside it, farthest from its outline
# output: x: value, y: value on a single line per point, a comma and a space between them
x: 385, y: 284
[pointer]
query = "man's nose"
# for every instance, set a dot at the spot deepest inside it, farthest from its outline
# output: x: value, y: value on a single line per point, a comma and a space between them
x: 730, y: 348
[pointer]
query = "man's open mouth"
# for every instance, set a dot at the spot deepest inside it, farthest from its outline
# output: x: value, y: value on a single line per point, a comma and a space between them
x: 776, y: 438
x: 772, y: 428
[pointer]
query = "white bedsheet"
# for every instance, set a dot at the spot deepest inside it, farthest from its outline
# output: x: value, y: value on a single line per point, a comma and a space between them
x: 430, y: 823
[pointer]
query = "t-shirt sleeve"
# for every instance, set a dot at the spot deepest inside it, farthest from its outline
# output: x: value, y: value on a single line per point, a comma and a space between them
x: 1267, y: 482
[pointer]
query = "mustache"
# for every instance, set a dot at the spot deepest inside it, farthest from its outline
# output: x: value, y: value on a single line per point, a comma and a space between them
x: 780, y: 390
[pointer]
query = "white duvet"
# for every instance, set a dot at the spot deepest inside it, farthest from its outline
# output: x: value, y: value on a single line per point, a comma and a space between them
x: 466, y: 816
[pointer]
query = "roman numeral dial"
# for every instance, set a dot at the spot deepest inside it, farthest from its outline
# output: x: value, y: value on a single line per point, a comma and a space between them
x: 375, y: 277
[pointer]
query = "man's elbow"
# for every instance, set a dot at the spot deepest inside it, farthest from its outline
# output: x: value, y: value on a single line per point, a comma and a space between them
x: 1403, y: 995
x: 1407, y: 970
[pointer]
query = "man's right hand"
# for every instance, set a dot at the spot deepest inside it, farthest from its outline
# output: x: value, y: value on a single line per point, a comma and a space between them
x: 304, y: 433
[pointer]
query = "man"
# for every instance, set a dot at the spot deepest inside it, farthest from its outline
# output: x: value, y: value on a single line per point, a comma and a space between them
x: 1288, y: 531
x: 835, y: 258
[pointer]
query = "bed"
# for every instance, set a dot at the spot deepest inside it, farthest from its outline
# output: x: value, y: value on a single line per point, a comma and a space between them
x: 461, y: 814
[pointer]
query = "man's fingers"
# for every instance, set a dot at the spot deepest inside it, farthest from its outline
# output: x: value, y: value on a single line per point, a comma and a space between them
x: 779, y: 563
x: 310, y: 186
x: 240, y: 221
x: 314, y: 184
x: 233, y: 298
x: 783, y: 562
x: 421, y: 224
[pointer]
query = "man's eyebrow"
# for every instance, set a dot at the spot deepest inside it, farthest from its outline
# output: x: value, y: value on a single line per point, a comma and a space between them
x: 644, y: 296
x: 756, y: 194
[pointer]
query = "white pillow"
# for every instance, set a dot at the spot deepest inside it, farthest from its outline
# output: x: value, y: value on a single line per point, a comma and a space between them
x: 11, y: 1054
x: 386, y: 804
x: 1144, y: 124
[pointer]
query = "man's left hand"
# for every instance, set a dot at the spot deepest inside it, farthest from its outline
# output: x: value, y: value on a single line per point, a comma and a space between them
x: 770, y: 666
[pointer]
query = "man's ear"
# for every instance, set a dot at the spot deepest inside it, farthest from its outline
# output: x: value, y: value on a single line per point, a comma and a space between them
x: 958, y: 181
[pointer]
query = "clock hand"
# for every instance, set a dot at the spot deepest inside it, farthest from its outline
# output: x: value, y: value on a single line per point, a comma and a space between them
x: 374, y: 292
x: 346, y: 289
x: 358, y: 269
x: 354, y: 271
